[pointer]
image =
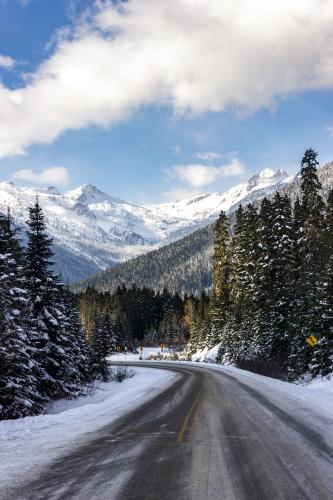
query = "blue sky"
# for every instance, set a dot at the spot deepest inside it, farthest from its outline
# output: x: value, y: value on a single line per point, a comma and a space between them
x: 148, y: 127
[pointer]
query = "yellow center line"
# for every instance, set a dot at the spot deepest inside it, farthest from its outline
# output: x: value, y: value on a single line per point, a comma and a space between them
x: 194, y: 425
x: 182, y: 431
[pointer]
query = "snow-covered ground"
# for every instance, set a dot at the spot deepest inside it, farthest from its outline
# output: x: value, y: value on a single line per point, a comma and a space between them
x: 28, y: 444
x: 130, y: 356
x: 148, y: 354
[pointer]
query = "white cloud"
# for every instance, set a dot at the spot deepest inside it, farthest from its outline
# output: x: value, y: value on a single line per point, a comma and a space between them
x: 193, y: 55
x: 208, y: 156
x: 330, y: 130
x: 53, y: 175
x: 198, y: 175
x: 6, y: 62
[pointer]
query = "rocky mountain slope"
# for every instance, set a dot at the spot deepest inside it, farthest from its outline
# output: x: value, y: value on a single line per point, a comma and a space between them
x: 93, y: 230
x: 185, y: 266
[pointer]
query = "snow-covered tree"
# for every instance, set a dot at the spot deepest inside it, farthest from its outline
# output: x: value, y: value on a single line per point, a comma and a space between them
x: 46, y: 313
x: 19, y: 396
x: 220, y: 307
x: 103, y: 344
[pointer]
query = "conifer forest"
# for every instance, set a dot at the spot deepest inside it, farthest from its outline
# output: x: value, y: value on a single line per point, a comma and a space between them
x: 273, y: 284
x: 44, y: 352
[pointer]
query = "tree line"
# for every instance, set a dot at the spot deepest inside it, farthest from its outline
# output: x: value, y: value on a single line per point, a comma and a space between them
x: 44, y: 352
x: 273, y: 284
x: 141, y: 315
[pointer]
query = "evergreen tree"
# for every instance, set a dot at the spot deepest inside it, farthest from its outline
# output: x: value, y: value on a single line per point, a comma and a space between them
x: 282, y: 267
x: 265, y: 276
x: 245, y: 255
x: 46, y: 314
x: 73, y: 341
x: 103, y: 344
x: 311, y: 263
x: 19, y: 396
x: 220, y: 307
x: 322, y: 358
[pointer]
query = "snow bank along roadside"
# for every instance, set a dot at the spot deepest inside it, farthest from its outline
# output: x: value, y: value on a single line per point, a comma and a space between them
x: 318, y: 392
x: 28, y: 445
x: 131, y: 356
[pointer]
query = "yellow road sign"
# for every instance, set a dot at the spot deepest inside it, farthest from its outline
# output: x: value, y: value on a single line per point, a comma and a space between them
x: 312, y: 340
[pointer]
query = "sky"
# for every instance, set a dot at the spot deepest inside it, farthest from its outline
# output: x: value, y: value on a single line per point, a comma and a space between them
x: 154, y: 101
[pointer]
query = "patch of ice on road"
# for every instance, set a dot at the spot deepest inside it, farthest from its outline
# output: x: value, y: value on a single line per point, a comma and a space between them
x: 29, y: 444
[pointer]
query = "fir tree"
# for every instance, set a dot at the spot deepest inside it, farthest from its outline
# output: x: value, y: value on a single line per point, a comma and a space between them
x: 46, y: 315
x: 322, y: 358
x: 19, y: 396
x: 103, y: 344
x: 265, y: 277
x: 220, y: 307
x: 245, y: 255
x: 311, y: 255
x: 283, y: 283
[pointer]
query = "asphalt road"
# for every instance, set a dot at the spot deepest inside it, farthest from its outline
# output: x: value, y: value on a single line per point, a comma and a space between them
x: 211, y: 435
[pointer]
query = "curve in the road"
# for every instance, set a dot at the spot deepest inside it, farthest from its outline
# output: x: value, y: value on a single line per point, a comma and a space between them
x: 208, y: 436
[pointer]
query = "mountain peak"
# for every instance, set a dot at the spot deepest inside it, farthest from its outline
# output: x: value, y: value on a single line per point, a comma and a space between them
x: 266, y: 177
x: 88, y: 194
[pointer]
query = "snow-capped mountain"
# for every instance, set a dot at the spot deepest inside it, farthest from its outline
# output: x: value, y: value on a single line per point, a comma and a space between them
x: 188, y: 215
x: 93, y: 230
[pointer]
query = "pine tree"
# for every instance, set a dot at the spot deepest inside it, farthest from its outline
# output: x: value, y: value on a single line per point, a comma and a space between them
x: 221, y: 280
x: 245, y: 255
x: 46, y: 314
x: 322, y: 358
x: 265, y: 277
x: 283, y: 282
x: 73, y: 342
x: 19, y: 396
x: 311, y: 255
x: 103, y: 344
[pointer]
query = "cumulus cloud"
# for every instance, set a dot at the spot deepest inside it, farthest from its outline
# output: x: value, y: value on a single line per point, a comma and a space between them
x: 6, y: 62
x: 330, y: 130
x: 193, y: 55
x: 53, y: 175
x: 198, y: 175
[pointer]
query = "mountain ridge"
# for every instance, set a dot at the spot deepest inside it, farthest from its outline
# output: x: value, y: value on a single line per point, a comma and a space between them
x: 183, y: 266
x: 93, y: 230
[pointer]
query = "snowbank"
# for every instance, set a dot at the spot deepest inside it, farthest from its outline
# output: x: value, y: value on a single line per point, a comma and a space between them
x: 207, y: 355
x: 130, y: 356
x: 29, y: 444
x: 148, y: 353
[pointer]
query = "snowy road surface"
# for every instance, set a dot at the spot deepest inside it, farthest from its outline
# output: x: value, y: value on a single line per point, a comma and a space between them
x: 211, y: 434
